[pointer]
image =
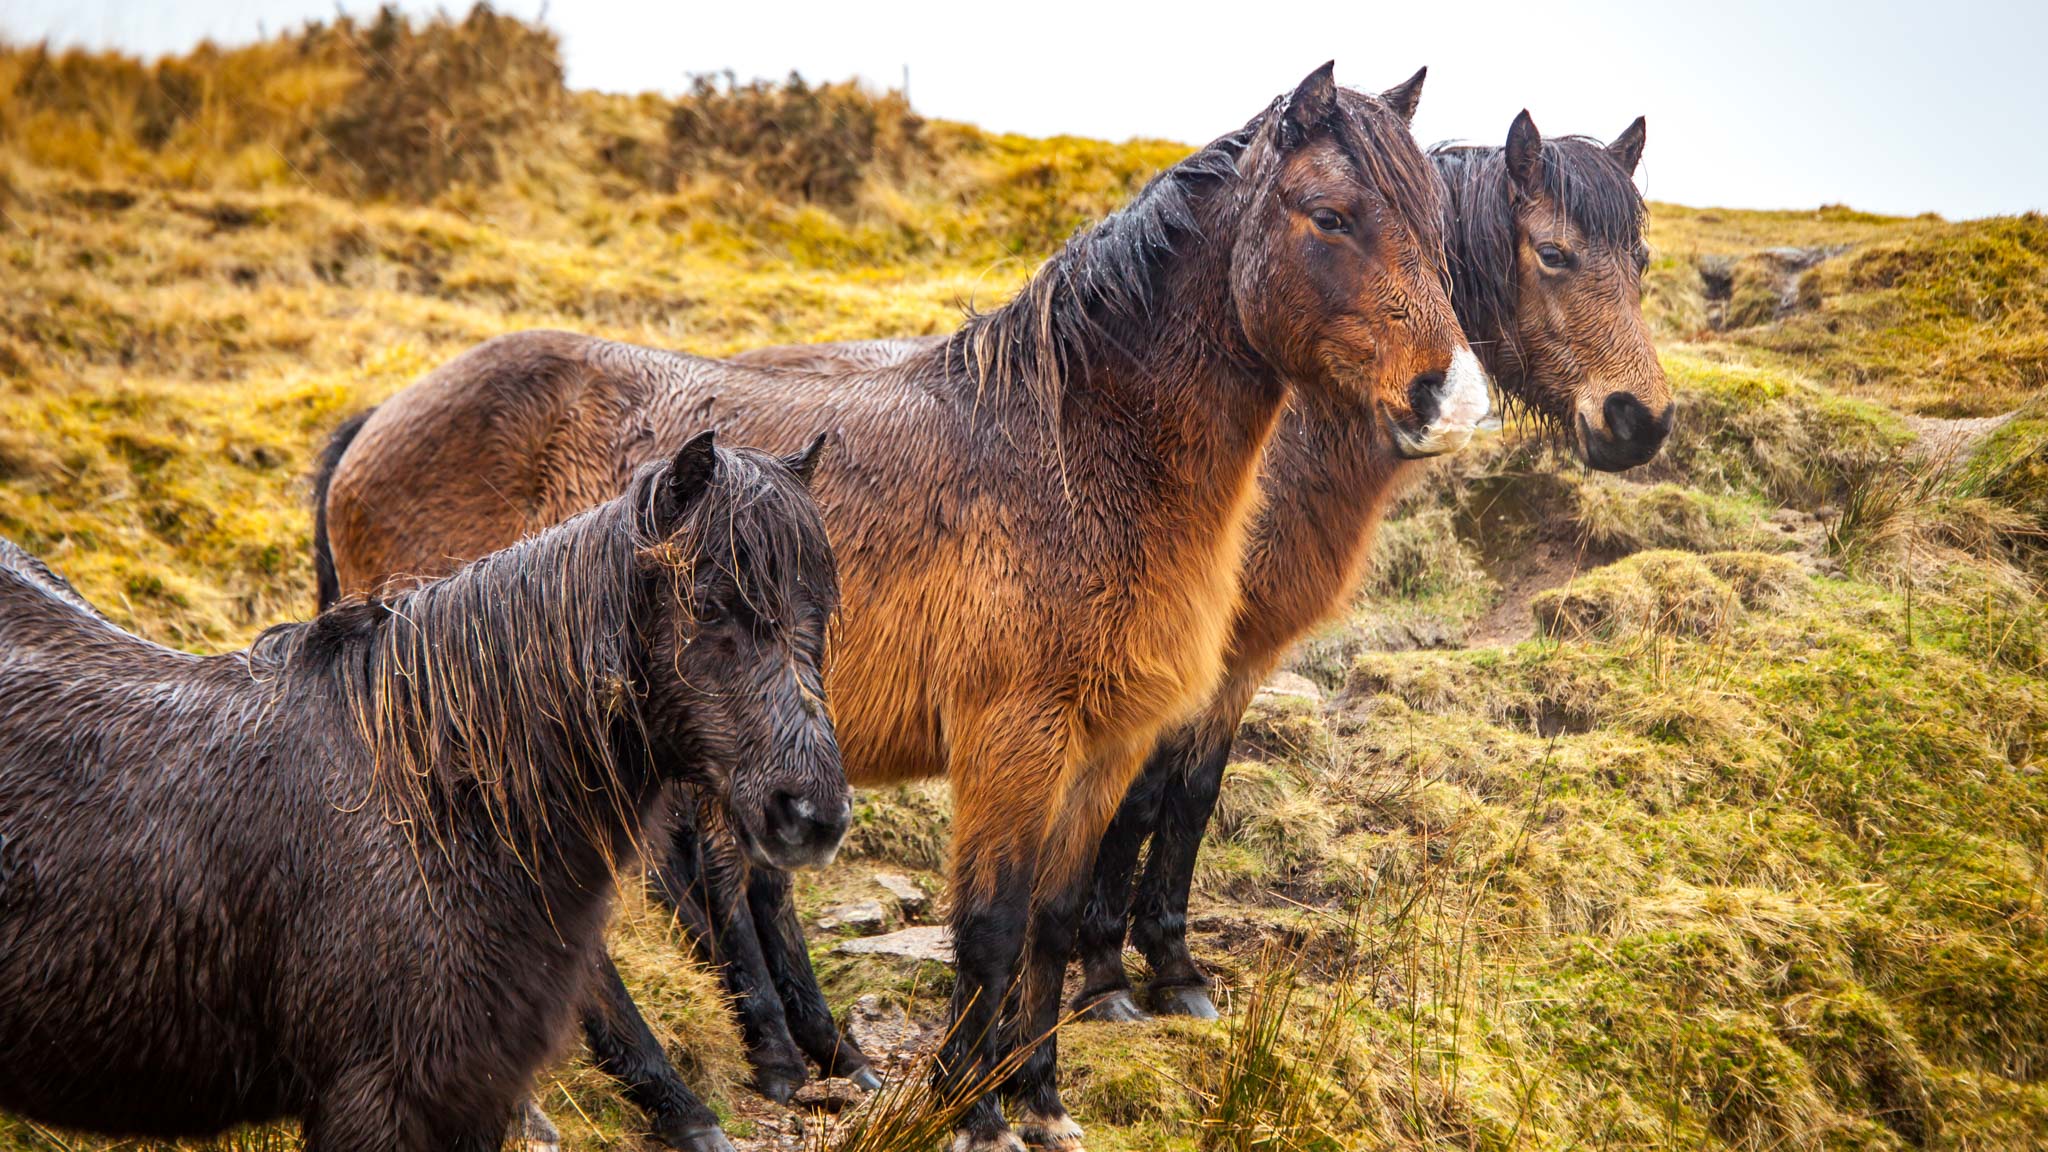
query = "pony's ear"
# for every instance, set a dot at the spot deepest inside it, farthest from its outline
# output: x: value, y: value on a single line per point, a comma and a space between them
x: 1309, y: 106
x: 689, y: 473
x: 805, y: 463
x: 1627, y: 148
x: 1525, y: 153
x: 1403, y: 97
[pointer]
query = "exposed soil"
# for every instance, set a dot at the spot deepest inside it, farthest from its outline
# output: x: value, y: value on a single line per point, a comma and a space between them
x: 1945, y: 440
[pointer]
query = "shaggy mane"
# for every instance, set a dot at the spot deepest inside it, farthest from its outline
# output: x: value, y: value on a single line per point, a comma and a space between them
x: 1106, y: 280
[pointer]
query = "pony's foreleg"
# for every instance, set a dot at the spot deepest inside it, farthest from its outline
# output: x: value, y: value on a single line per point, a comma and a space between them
x: 703, y: 876
x: 361, y: 1110
x: 1159, y: 913
x: 789, y: 967
x: 1005, y: 773
x: 1105, y: 988
x: 1066, y: 868
x: 626, y: 1050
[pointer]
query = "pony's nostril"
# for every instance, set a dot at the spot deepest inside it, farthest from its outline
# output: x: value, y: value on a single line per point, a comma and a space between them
x: 1631, y: 436
x: 800, y: 822
x: 1631, y: 421
x: 1426, y: 397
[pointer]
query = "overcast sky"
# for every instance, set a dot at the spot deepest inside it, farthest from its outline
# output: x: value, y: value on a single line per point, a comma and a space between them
x: 1887, y: 105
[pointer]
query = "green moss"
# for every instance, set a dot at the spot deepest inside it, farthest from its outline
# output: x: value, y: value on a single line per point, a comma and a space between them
x: 1747, y: 429
x: 1950, y: 323
x: 1665, y: 593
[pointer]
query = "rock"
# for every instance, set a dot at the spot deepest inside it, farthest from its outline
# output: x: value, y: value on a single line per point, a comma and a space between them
x: 835, y: 1095
x: 884, y: 1029
x: 909, y: 897
x: 928, y: 942
x: 1292, y: 684
x: 865, y: 917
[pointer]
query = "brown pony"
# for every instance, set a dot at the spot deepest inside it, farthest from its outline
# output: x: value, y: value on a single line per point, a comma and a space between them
x: 1040, y: 520
x: 1547, y: 254
x: 358, y: 873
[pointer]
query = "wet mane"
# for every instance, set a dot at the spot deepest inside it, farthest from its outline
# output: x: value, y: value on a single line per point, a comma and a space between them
x: 1105, y: 282
x: 488, y: 683
x: 1586, y: 184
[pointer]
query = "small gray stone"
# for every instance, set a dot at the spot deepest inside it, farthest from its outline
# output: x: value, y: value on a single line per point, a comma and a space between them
x: 1291, y: 684
x: 908, y: 895
x: 865, y: 917
x: 929, y: 942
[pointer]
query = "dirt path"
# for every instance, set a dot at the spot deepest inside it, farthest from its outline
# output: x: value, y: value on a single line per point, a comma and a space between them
x: 1945, y: 440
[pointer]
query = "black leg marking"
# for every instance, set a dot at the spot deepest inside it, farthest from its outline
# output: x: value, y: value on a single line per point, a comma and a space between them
x: 988, y: 940
x: 705, y: 878
x: 626, y: 1050
x: 788, y: 961
x: 1159, y: 914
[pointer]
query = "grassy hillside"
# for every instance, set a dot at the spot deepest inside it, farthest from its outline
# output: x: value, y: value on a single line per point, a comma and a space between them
x: 1696, y: 808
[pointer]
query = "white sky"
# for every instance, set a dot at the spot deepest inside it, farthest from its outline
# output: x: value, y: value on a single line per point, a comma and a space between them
x: 1897, y: 106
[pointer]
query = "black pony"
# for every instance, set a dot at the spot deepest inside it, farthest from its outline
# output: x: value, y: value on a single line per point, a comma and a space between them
x: 358, y: 873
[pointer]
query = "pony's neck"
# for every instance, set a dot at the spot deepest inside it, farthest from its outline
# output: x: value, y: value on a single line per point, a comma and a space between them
x: 1126, y: 361
x: 1188, y: 375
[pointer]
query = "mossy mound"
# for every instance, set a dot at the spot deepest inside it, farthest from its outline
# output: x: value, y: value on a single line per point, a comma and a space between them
x: 1667, y: 593
x: 1952, y: 323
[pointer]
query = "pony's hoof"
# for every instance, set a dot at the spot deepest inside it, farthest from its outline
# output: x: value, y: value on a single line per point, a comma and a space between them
x: 1184, y: 1000
x: 702, y: 1140
x: 1058, y: 1133
x: 865, y: 1079
x: 532, y: 1131
x: 1113, y: 1008
x: 778, y: 1084
x: 994, y: 1142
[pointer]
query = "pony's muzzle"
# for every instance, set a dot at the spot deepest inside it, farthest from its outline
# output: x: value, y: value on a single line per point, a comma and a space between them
x: 803, y: 829
x: 1628, y: 433
x: 1445, y: 409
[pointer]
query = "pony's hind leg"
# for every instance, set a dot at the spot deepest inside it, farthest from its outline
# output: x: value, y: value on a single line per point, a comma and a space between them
x: 626, y: 1050
x: 704, y: 877
x: 789, y: 967
x: 1105, y: 994
x: 1159, y: 914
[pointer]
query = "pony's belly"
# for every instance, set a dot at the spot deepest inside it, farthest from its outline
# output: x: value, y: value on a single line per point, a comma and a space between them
x: 163, y: 1087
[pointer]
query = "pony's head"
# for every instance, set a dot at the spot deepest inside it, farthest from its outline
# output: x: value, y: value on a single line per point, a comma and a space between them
x: 746, y: 589
x: 1548, y: 235
x: 1338, y: 275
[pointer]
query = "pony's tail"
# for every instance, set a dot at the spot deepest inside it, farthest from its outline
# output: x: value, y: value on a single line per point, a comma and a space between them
x: 329, y: 584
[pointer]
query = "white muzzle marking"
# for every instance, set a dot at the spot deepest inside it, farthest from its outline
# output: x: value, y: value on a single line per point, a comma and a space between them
x: 1465, y: 403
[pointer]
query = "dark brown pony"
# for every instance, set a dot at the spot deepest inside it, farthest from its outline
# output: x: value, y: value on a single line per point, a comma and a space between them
x: 359, y: 872
x: 1547, y: 253
x: 1040, y: 520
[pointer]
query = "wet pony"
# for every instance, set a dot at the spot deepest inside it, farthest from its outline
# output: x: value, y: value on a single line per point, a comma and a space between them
x: 358, y: 873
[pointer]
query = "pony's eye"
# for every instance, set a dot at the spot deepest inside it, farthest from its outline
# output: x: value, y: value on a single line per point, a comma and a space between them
x: 1553, y: 256
x: 1329, y: 220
